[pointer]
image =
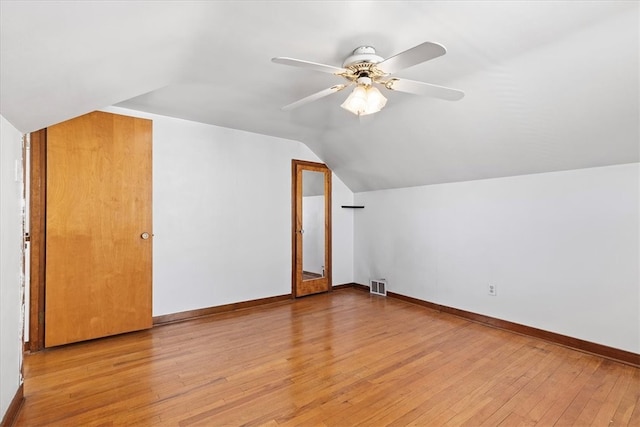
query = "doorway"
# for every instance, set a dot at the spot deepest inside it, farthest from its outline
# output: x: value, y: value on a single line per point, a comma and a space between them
x: 311, y: 228
x: 90, y: 229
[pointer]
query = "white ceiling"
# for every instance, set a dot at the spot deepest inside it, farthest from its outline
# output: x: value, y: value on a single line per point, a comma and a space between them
x: 549, y: 86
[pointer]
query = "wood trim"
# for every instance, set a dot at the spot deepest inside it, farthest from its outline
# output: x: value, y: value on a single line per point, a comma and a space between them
x: 328, y: 229
x: 294, y: 217
x: 351, y: 285
x: 618, y: 355
x: 26, y: 239
x: 99, y: 207
x: 202, y: 312
x: 13, y: 410
x: 607, y: 352
x: 309, y: 164
x: 37, y: 228
x: 297, y: 167
x: 249, y: 367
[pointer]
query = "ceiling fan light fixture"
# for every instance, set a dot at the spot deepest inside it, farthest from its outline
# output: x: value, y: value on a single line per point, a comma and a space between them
x: 365, y: 99
x: 375, y: 100
x: 366, y: 69
x: 356, y: 102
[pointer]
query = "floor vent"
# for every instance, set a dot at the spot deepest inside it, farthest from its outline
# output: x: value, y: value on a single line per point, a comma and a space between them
x: 378, y: 287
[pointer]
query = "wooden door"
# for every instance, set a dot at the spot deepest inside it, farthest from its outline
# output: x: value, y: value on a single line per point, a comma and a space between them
x: 311, y: 192
x: 98, y: 228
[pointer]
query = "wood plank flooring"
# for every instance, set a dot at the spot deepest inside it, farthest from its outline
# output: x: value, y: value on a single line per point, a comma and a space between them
x: 339, y: 359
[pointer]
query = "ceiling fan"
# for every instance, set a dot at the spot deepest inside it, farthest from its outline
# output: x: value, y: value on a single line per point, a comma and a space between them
x: 366, y: 70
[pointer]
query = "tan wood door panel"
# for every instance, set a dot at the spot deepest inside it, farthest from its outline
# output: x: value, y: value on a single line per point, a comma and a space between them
x: 98, y: 265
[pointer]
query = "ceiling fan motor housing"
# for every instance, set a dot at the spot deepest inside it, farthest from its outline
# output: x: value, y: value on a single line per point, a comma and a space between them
x: 362, y: 54
x: 362, y: 65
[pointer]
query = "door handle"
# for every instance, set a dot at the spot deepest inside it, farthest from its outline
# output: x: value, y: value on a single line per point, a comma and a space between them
x: 144, y: 236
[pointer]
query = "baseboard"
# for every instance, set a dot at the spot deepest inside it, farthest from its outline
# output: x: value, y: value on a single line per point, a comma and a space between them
x: 194, y: 314
x: 352, y: 286
x: 202, y: 312
x: 623, y: 356
x: 616, y: 354
x: 11, y: 415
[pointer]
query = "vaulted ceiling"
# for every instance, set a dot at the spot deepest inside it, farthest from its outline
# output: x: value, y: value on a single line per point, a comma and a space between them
x: 549, y: 85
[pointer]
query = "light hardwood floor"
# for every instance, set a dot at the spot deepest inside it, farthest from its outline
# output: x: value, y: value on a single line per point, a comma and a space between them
x: 338, y: 359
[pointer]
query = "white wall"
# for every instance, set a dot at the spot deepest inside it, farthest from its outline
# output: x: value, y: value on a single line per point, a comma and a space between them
x: 561, y: 247
x: 342, y: 238
x: 10, y: 265
x: 222, y: 215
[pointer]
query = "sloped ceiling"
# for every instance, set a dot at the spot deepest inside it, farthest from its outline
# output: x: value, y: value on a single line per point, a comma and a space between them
x: 549, y: 85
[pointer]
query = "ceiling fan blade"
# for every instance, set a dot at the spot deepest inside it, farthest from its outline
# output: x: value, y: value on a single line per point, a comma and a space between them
x: 421, y: 88
x: 417, y: 54
x: 313, y: 97
x: 309, y: 65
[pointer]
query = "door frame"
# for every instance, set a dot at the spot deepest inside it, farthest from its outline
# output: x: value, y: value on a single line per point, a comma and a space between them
x: 37, y: 235
x: 297, y: 167
x: 37, y: 218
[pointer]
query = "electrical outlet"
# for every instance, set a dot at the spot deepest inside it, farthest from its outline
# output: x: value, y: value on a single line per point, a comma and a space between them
x: 493, y: 291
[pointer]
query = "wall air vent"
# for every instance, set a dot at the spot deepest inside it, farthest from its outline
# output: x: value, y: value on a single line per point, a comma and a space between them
x: 378, y: 287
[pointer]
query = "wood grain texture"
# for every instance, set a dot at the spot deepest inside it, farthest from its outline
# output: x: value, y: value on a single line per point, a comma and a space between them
x: 98, y: 268
x: 343, y: 358
x: 311, y: 286
x: 194, y: 314
x: 9, y: 418
x: 353, y: 285
x: 299, y: 286
x: 298, y: 246
x: 37, y: 229
x: 582, y: 345
x: 328, y: 247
